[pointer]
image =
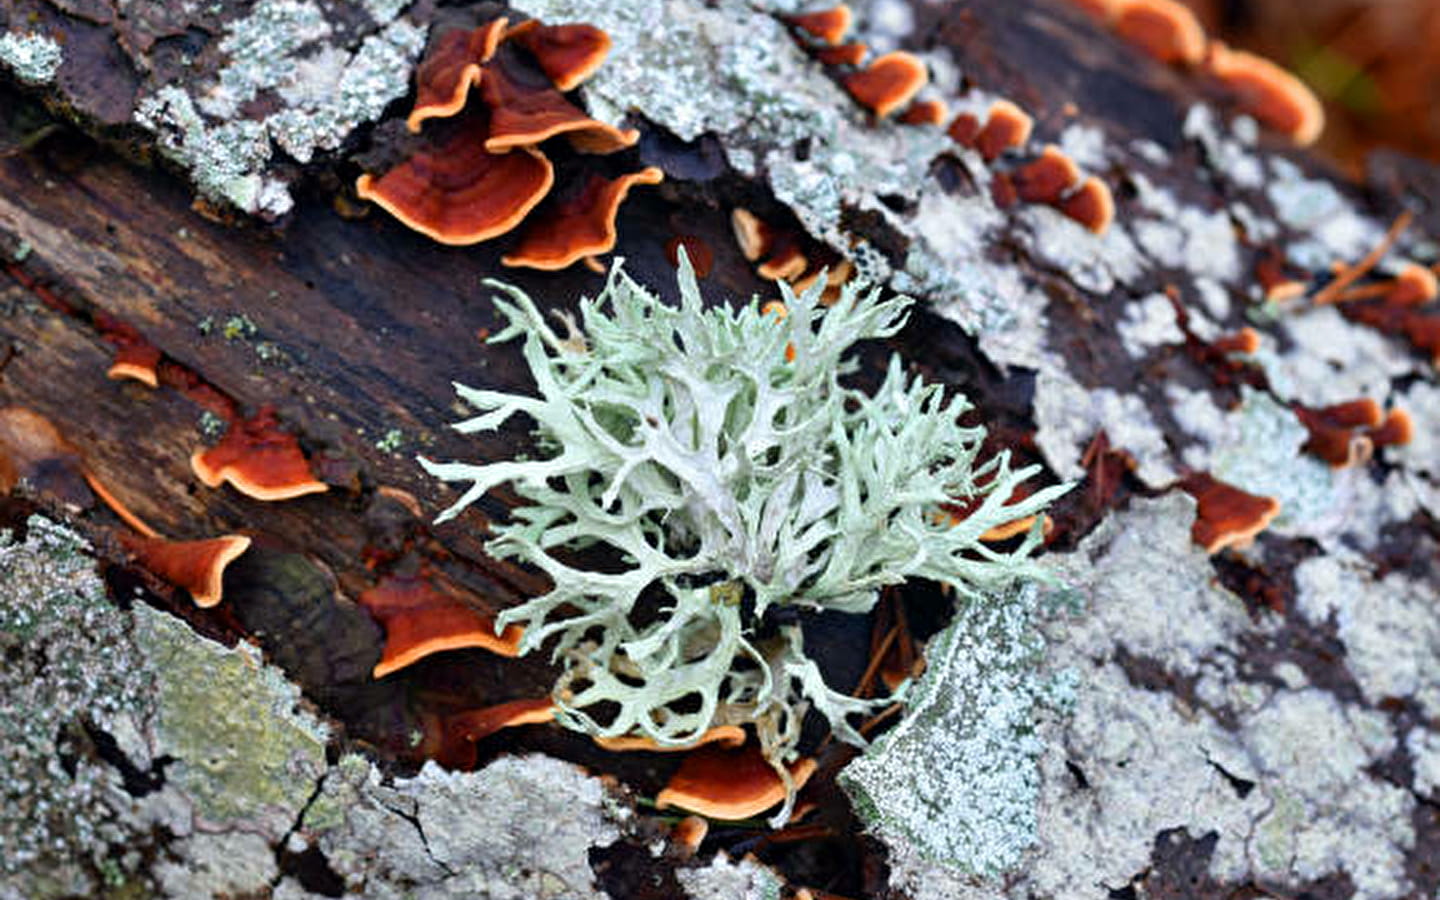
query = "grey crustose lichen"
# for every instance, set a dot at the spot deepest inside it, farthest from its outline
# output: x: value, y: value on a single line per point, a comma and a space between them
x: 718, y: 453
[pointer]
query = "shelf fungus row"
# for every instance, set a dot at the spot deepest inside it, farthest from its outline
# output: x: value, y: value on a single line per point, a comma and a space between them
x: 886, y: 85
x: 485, y: 173
x: 1168, y: 31
x: 1055, y: 180
x: 786, y: 254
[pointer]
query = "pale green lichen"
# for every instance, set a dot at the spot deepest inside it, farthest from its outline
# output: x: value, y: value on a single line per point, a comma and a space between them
x: 34, y: 58
x: 243, y: 753
x: 717, y: 454
x: 956, y: 781
x: 325, y: 90
x: 67, y: 656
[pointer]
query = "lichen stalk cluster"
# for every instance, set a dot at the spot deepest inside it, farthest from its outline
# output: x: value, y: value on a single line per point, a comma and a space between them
x: 720, y: 457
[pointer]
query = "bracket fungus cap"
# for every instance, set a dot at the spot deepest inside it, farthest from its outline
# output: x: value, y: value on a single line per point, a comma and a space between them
x: 1165, y: 29
x: 730, y: 784
x: 583, y: 224
x: 197, y: 566
x: 444, y: 78
x: 828, y: 26
x: 568, y: 54
x: 420, y: 619
x: 258, y: 460
x: 1275, y: 97
x: 888, y: 83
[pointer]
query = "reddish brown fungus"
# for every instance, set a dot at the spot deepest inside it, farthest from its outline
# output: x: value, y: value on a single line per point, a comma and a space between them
x: 477, y: 724
x: 1165, y: 29
x: 1226, y: 516
x: 525, y: 110
x: 568, y: 54
x: 843, y: 55
x: 459, y: 193
x: 729, y: 784
x: 926, y: 112
x: 138, y: 362
x: 787, y: 264
x: 1046, y: 179
x: 964, y: 130
x: 720, y: 735
x: 1246, y: 340
x: 888, y: 83
x: 259, y: 460
x: 701, y: 257
x: 1091, y: 205
x: 420, y: 619
x: 444, y: 78
x: 1333, y: 435
x: 581, y: 225
x: 196, y: 566
x: 1007, y: 127
x: 828, y: 26
x: 1397, y: 428
x: 1272, y: 95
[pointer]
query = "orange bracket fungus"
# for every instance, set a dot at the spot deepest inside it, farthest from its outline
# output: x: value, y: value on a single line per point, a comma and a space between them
x: 1007, y: 127
x: 888, y: 83
x: 1396, y: 429
x: 1091, y: 205
x: 843, y: 55
x: 1264, y: 90
x: 259, y: 460
x: 1046, y: 179
x: 1334, y: 431
x: 477, y: 724
x: 196, y: 566
x: 567, y: 54
x: 754, y: 236
x: 730, y: 784
x: 581, y: 225
x: 926, y: 112
x: 444, y: 78
x: 1165, y: 29
x: 459, y: 193
x: 420, y: 619
x: 1226, y: 516
x: 138, y: 362
x: 721, y: 736
x: 828, y: 26
x: 525, y: 110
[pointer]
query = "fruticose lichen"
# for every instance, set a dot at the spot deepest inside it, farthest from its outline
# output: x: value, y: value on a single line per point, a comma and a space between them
x: 34, y: 58
x: 717, y: 453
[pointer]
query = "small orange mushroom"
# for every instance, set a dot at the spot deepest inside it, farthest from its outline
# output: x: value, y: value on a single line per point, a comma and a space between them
x: 1091, y: 205
x: 568, y: 54
x: 754, y: 236
x: 1165, y: 29
x: 138, y: 362
x: 566, y: 230
x: 964, y: 130
x: 1226, y: 516
x: 888, y: 83
x: 1007, y: 127
x: 1333, y: 435
x: 843, y: 55
x: 1272, y: 95
x: 474, y: 725
x: 721, y: 735
x: 444, y: 78
x: 787, y: 264
x: 1046, y: 179
x: 729, y: 784
x: 926, y: 112
x: 1397, y: 428
x: 196, y: 566
x: 420, y: 619
x: 828, y: 26
x: 459, y: 193
x: 525, y: 110
x: 1246, y: 340
x: 259, y: 460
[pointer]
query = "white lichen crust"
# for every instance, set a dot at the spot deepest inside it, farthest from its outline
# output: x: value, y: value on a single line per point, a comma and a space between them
x: 716, y: 453
x: 34, y: 58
